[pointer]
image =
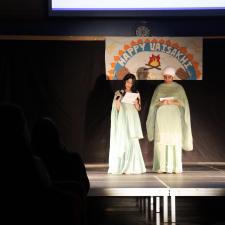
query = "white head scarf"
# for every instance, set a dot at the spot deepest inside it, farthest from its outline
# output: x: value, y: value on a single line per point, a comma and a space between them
x: 169, y: 71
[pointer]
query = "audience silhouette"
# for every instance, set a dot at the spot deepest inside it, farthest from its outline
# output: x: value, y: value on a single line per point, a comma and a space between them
x: 62, y: 165
x: 28, y: 194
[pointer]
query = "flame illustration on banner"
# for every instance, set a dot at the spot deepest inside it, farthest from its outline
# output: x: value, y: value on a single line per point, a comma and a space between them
x: 154, y: 62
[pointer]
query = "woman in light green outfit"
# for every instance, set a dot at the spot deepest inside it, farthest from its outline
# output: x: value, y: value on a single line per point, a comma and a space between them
x: 168, y: 124
x: 125, y: 155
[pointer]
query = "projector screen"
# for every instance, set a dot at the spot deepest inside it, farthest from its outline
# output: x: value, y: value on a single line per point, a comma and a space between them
x: 137, y: 7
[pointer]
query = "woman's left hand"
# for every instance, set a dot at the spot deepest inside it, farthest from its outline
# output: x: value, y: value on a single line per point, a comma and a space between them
x: 137, y: 104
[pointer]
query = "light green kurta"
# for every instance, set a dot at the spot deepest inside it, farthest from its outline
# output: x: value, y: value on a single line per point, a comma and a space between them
x: 170, y: 128
x: 125, y: 153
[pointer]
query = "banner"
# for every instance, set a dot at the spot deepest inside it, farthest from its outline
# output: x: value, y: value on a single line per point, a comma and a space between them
x: 146, y: 57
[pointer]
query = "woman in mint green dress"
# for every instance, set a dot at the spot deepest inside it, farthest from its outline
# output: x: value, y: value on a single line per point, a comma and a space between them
x: 125, y: 155
x: 168, y: 124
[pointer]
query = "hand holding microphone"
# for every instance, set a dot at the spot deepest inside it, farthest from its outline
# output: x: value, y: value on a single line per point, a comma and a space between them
x: 118, y: 97
x: 120, y: 94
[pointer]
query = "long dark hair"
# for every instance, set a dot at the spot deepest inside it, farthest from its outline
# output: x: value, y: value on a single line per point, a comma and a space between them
x: 127, y: 77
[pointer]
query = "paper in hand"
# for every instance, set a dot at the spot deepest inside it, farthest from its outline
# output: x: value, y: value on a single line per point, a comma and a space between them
x: 130, y: 97
x: 166, y: 98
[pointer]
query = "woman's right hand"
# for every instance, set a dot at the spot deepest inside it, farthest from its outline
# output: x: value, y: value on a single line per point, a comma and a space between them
x: 118, y: 97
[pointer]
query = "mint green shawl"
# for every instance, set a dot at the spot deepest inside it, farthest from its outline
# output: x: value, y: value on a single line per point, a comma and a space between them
x: 171, y: 90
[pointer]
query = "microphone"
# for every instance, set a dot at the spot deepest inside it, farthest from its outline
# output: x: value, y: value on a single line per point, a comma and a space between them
x: 122, y: 92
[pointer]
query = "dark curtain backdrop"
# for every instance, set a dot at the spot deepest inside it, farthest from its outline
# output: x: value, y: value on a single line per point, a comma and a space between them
x: 65, y: 80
